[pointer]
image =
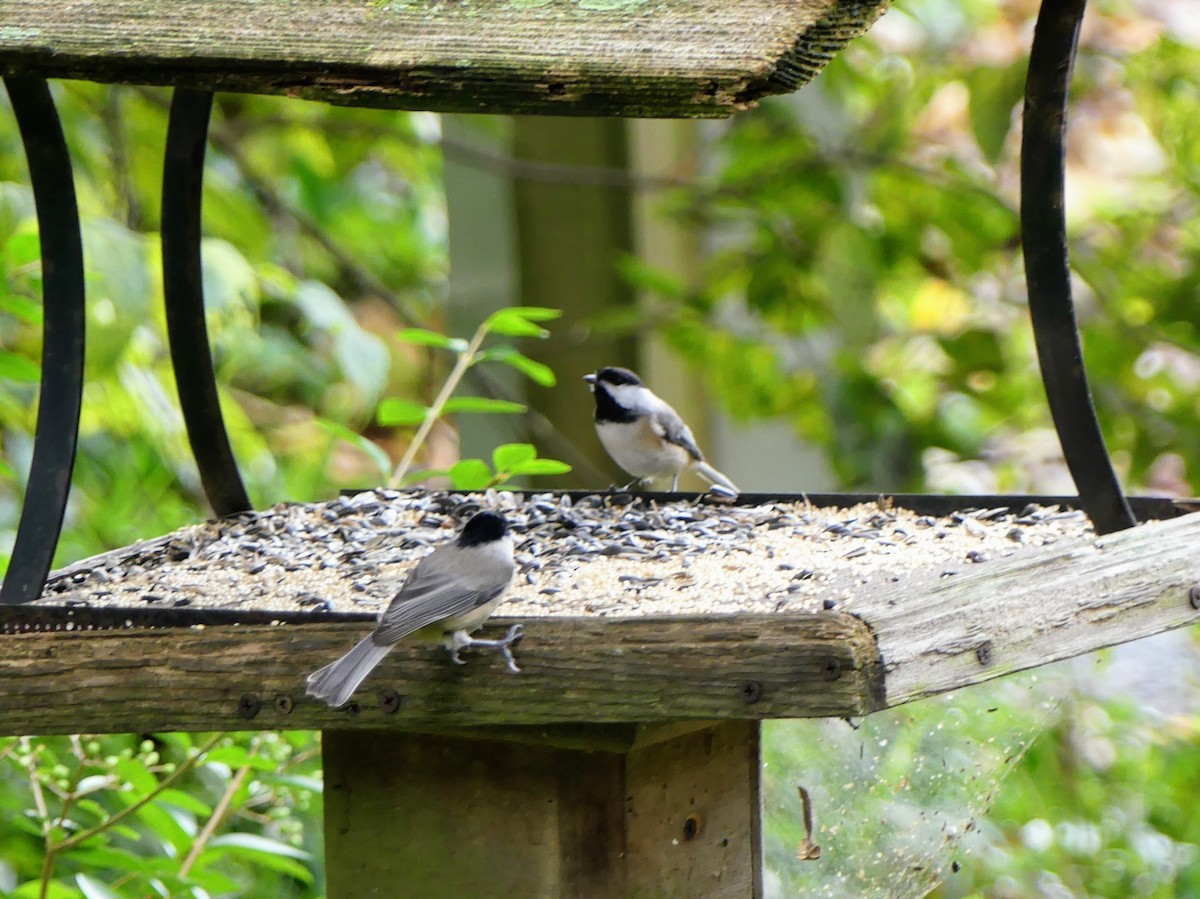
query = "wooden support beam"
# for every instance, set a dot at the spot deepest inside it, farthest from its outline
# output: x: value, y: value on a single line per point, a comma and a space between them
x: 903, y: 642
x: 680, y: 58
x: 574, y: 670
x: 1038, y: 608
x: 488, y: 818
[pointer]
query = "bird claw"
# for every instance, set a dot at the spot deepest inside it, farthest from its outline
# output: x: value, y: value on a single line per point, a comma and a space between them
x: 636, y: 482
x: 462, y: 640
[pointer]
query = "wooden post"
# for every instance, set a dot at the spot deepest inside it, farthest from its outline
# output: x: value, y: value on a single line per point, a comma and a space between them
x: 670, y: 815
x: 571, y: 231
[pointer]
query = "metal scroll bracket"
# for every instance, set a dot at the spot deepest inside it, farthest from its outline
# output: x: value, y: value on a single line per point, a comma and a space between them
x: 1047, y: 266
x: 183, y: 289
x: 64, y: 321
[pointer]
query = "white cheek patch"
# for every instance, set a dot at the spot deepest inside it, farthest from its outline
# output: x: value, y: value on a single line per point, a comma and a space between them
x: 627, y: 395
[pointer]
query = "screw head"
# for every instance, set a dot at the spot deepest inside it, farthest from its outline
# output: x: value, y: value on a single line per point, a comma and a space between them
x: 390, y: 701
x: 983, y: 652
x: 284, y: 704
x: 751, y: 692
x: 831, y: 668
x: 248, y: 706
x: 1194, y: 596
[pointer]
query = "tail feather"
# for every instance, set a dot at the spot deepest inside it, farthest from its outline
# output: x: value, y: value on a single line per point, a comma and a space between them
x: 713, y: 476
x: 337, y: 681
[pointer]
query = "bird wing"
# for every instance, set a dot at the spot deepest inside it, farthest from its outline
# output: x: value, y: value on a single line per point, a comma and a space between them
x: 670, y: 427
x: 430, y: 594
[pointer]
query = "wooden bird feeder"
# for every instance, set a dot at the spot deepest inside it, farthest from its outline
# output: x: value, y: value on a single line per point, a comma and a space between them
x: 624, y: 759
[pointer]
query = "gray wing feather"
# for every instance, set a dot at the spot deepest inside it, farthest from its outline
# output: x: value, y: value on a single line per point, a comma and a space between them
x: 428, y: 595
x: 671, y: 428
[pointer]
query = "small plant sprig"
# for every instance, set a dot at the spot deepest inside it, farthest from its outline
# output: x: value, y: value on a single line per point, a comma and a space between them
x: 508, y: 460
x: 172, y: 815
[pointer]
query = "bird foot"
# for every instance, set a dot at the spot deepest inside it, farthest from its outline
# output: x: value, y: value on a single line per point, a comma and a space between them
x: 462, y: 640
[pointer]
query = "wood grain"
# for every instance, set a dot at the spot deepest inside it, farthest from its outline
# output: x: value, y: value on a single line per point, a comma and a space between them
x: 1037, y: 608
x: 574, y: 670
x: 632, y: 58
x: 922, y: 638
x: 488, y: 819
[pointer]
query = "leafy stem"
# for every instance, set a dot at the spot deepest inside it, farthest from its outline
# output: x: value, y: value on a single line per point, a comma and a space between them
x: 465, y: 359
x: 53, y: 848
x: 214, y: 820
x: 516, y: 321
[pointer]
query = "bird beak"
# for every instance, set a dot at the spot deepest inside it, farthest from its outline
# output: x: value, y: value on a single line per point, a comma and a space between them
x: 591, y: 379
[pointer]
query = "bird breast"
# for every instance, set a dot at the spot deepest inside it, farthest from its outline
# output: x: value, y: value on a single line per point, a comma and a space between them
x: 639, y: 450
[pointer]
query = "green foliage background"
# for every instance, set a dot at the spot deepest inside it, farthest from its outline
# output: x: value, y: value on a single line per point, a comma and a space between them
x: 864, y: 283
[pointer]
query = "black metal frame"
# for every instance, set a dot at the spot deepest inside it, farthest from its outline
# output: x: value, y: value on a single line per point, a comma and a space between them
x: 1047, y: 265
x: 183, y: 289
x: 63, y: 325
x: 1043, y: 239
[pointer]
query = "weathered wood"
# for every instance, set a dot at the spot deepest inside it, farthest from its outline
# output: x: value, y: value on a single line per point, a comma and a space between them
x: 488, y: 819
x: 675, y: 58
x: 574, y: 670
x: 1037, y: 608
x: 910, y: 640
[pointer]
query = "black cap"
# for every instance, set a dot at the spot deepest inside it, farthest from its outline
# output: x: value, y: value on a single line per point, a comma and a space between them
x: 484, y: 527
x: 615, y: 375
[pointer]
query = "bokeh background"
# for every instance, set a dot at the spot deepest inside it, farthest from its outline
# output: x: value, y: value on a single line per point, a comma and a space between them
x: 829, y: 286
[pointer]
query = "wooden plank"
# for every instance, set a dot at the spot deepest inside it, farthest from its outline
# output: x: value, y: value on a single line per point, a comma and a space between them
x: 917, y: 639
x: 673, y: 58
x: 574, y: 670
x: 490, y: 818
x: 1038, y: 607
x: 694, y: 819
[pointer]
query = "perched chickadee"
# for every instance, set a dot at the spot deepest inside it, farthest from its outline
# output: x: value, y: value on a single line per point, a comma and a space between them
x: 449, y: 593
x: 643, y: 434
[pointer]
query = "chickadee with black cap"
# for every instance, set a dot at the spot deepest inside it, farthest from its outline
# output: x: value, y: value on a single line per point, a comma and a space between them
x: 449, y: 593
x: 643, y: 434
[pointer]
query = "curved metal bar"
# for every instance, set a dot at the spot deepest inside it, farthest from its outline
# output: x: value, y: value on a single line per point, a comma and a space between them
x: 183, y: 288
x: 62, y: 339
x: 1047, y: 266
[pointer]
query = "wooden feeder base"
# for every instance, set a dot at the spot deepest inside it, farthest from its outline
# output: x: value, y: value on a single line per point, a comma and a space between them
x: 673, y: 813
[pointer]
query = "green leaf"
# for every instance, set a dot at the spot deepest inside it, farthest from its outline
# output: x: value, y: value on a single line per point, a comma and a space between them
x: 540, y: 467
x: 264, y: 851
x: 509, y: 455
x: 425, y: 337
x: 233, y: 755
x: 518, y: 321
x: 255, y: 843
x: 32, y: 889
x: 514, y: 326
x: 470, y: 474
x: 397, y: 412
x: 186, y: 801
x: 134, y: 771
x: 535, y: 371
x: 18, y: 368
x: 535, y: 313
x: 94, y: 889
x: 482, y: 404
x: 114, y: 858
x: 22, y: 307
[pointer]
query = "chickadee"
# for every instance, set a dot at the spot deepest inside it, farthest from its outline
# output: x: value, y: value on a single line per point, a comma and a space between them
x: 643, y: 434
x: 449, y: 593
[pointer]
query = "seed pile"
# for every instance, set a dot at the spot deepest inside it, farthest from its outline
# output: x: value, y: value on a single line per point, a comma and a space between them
x: 605, y: 555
